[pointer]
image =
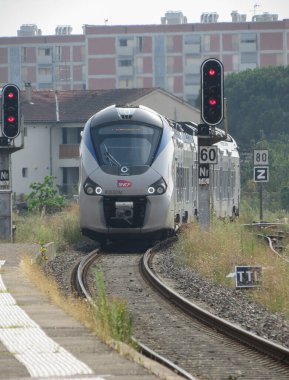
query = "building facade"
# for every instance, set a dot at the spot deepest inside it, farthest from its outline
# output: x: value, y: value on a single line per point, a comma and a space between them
x: 168, y: 55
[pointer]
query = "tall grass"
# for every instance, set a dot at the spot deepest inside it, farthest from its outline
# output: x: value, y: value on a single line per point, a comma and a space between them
x: 112, y: 314
x: 215, y: 253
x: 109, y: 318
x: 62, y: 228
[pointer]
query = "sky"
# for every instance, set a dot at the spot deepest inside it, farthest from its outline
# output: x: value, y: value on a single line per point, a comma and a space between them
x: 48, y: 14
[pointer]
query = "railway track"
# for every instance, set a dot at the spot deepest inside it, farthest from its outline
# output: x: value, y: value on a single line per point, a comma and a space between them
x: 188, y: 339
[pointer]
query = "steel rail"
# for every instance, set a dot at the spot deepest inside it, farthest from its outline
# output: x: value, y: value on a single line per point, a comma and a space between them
x: 81, y: 287
x: 271, y: 349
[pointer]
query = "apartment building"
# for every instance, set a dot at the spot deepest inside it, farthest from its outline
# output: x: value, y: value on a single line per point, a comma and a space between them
x: 168, y: 55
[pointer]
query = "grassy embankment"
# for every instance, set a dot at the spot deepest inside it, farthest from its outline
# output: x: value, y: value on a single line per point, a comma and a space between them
x: 215, y: 253
x: 109, y: 318
x: 212, y: 253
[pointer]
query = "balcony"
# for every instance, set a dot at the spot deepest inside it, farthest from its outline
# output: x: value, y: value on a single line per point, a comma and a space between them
x: 192, y: 49
x: 45, y: 78
x: 248, y: 46
x: 125, y: 50
x: 67, y: 151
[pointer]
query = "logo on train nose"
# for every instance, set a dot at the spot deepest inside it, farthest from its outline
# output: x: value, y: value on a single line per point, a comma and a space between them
x: 124, y: 183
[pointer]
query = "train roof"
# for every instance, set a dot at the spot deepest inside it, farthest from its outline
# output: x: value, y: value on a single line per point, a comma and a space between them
x: 116, y: 113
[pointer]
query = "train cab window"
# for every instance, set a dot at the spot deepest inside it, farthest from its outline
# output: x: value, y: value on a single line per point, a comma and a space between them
x: 127, y: 144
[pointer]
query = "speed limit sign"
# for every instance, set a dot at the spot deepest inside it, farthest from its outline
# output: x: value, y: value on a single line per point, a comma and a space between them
x: 208, y: 155
x: 261, y: 157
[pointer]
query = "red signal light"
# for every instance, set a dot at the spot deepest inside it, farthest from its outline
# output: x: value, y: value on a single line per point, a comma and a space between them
x: 11, y: 119
x: 212, y: 91
x: 11, y: 111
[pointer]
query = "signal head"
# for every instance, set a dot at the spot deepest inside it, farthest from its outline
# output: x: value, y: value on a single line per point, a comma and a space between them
x: 11, y: 111
x: 212, y: 87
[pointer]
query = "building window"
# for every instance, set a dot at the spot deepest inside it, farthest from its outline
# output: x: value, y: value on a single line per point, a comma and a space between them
x: 170, y: 84
x: 248, y: 38
x: 24, y: 172
x: 125, y: 83
x: 122, y: 42
x: 71, y: 135
x: 24, y: 54
x: 125, y: 62
x: 44, y: 52
x: 57, y: 53
x: 191, y: 79
x: 192, y: 39
x: 170, y: 43
x: 249, y: 58
x: 139, y: 44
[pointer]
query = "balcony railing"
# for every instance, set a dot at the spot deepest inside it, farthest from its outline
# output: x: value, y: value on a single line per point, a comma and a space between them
x: 68, y: 151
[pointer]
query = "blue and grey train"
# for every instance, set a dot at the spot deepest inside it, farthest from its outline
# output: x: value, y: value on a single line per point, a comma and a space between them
x: 139, y: 175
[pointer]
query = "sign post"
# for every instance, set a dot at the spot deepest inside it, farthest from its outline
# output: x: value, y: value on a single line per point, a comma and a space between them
x: 10, y: 129
x: 5, y: 196
x: 212, y: 114
x: 261, y: 173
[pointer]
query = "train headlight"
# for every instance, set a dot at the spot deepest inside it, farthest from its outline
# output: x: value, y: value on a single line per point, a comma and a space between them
x: 160, y: 190
x: 91, y: 188
x: 157, y: 188
x: 151, y: 190
x: 98, y: 190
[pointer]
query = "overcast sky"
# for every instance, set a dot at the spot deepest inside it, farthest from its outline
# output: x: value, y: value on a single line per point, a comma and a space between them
x: 47, y: 14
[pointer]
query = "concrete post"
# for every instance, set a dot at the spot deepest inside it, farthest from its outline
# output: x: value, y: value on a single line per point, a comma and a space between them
x: 5, y: 196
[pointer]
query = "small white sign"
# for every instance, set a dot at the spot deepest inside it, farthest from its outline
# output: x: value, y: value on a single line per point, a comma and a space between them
x: 4, y: 175
x: 261, y: 157
x: 204, y: 181
x: 261, y: 174
x: 208, y: 155
x: 204, y: 171
x: 248, y: 276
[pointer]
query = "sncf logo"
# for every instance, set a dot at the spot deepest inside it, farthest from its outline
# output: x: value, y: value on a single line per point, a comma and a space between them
x: 124, y: 183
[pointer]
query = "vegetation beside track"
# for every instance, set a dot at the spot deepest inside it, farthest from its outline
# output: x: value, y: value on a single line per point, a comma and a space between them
x: 109, y: 318
x: 62, y: 228
x: 214, y: 254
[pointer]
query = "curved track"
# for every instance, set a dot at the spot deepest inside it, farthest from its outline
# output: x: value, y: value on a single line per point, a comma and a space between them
x: 264, y: 346
x: 81, y: 286
x: 194, y: 348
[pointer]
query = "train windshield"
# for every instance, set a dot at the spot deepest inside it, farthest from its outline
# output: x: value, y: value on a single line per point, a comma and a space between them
x: 126, y: 144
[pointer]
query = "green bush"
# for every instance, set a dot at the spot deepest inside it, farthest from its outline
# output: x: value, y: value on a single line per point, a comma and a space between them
x: 44, y: 197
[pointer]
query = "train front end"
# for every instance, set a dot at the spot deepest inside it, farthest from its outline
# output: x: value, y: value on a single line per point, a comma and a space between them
x: 126, y: 183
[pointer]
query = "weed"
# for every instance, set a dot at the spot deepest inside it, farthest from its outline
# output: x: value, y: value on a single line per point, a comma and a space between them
x: 215, y: 253
x: 112, y: 314
x: 62, y: 228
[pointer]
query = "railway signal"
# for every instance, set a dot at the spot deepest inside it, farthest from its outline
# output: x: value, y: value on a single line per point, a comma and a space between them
x: 11, y: 111
x: 212, y: 88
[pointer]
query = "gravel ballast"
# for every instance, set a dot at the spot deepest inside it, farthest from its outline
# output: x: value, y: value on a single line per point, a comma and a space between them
x: 228, y: 303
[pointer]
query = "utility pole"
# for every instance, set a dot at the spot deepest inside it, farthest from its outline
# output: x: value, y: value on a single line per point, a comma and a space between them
x: 212, y: 113
x: 10, y: 129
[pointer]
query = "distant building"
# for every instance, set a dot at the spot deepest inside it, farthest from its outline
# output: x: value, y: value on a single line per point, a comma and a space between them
x: 53, y: 121
x: 167, y: 55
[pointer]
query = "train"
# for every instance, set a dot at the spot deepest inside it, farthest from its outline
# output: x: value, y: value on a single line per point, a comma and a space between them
x: 139, y: 175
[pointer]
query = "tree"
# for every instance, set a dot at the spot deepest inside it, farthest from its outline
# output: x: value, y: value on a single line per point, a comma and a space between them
x: 258, y: 100
x: 285, y: 198
x: 44, y: 197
